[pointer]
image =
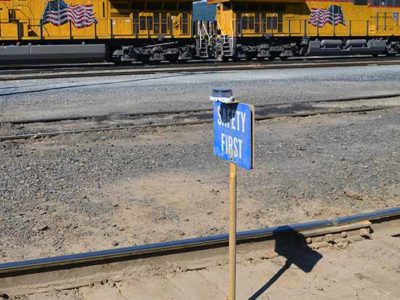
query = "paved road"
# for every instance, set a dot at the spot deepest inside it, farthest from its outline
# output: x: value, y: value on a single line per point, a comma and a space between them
x: 60, y: 97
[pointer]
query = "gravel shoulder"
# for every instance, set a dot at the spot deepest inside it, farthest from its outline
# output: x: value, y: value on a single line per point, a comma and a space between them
x: 94, y: 191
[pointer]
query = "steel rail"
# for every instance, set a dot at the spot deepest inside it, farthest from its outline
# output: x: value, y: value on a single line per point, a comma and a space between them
x: 104, y: 65
x: 185, y: 245
x: 188, y: 123
x: 199, y: 67
x: 176, y: 112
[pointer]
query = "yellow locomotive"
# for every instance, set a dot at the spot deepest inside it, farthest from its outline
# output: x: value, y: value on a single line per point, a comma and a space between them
x: 272, y: 28
x: 155, y: 30
x: 117, y: 30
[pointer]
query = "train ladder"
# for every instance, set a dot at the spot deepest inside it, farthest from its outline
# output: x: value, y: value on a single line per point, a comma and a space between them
x: 204, y: 38
x: 227, y: 46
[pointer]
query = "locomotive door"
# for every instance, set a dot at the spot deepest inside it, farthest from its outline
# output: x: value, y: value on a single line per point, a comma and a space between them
x: 274, y: 23
x: 146, y: 24
x: 161, y: 24
x: 247, y: 23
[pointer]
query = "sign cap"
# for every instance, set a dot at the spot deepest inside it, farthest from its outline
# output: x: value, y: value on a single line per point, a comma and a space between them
x: 224, y: 95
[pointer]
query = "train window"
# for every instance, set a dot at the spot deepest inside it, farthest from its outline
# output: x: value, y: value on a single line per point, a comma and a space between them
x: 272, y: 23
x: 149, y: 23
x: 245, y: 23
x: 360, y: 2
x: 104, y: 10
x: 11, y: 14
x: 393, y: 3
x: 185, y: 23
x: 264, y: 24
x: 238, y: 24
x: 164, y: 23
x: 258, y: 23
x: 156, y: 23
x: 142, y: 23
x: 251, y: 23
x: 135, y: 22
x: 384, y: 3
x: 280, y: 22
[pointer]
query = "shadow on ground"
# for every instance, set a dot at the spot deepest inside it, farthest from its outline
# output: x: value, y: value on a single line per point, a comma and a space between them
x: 294, y: 248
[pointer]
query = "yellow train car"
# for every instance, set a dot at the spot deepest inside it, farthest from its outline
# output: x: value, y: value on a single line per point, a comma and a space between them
x: 118, y: 29
x: 157, y: 30
x: 284, y: 28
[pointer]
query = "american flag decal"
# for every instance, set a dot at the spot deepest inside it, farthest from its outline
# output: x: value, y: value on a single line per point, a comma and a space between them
x: 333, y: 15
x: 57, y: 12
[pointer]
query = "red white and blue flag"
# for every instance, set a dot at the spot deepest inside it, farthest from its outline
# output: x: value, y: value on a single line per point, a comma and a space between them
x: 333, y: 15
x: 57, y: 12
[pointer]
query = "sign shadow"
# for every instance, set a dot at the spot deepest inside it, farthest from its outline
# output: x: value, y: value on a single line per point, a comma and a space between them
x: 294, y: 248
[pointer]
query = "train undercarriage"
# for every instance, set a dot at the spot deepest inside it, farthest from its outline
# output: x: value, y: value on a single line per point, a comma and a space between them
x: 226, y: 48
x: 223, y: 48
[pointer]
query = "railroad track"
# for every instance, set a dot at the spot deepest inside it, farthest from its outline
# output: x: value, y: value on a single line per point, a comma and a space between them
x: 50, y: 127
x: 84, y: 269
x: 98, y: 70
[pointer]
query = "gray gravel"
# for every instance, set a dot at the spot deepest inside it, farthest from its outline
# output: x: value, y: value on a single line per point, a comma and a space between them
x: 55, y: 193
x: 60, y: 97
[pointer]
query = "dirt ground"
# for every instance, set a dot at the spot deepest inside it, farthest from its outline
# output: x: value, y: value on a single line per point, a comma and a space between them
x: 87, y: 192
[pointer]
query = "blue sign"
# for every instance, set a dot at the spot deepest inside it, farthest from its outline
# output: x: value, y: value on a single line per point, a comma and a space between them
x: 233, y: 133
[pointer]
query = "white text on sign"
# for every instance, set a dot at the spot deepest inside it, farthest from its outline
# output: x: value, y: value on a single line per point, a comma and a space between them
x: 234, y: 120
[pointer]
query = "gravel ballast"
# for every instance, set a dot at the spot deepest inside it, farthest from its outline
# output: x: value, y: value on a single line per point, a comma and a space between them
x: 87, y: 192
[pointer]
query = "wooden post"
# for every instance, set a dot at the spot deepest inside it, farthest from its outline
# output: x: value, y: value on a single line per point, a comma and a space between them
x: 232, y: 232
